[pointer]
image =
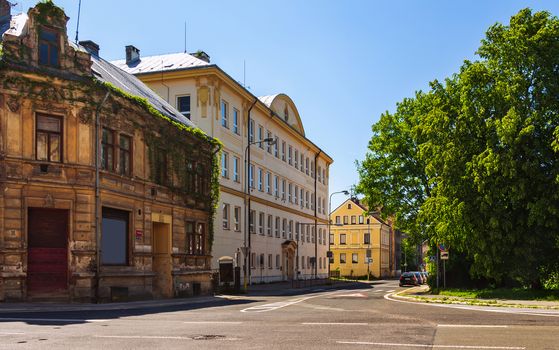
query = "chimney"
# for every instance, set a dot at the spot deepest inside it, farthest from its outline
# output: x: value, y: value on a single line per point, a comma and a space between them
x: 5, y: 11
x: 132, y: 54
x: 90, y: 46
x: 201, y: 55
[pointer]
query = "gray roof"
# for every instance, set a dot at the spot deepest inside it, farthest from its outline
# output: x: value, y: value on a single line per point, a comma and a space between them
x: 107, y: 72
x: 14, y: 26
x: 173, y: 61
x: 267, y: 100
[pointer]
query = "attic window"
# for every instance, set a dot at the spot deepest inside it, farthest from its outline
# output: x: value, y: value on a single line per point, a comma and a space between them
x: 49, y: 47
x: 286, y: 114
x: 349, y: 205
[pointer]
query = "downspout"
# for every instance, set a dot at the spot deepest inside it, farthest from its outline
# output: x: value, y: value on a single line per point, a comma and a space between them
x: 97, y: 196
x: 247, y: 197
x: 315, y: 217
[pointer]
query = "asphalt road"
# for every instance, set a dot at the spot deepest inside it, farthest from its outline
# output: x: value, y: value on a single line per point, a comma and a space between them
x: 351, y: 318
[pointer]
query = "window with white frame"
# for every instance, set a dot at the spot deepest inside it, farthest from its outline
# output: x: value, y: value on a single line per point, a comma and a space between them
x: 302, y: 198
x: 296, y: 159
x: 313, y: 234
x: 251, y: 176
x: 236, y: 163
x: 225, y: 216
x: 260, y: 179
x: 270, y: 224
x: 342, y: 239
x: 338, y: 220
x: 302, y: 163
x: 289, y: 190
x: 297, y: 230
x: 290, y: 229
x: 295, y: 199
x: 312, y: 169
x: 361, y: 219
x: 284, y: 228
x: 224, y: 114
x: 251, y: 130
x: 277, y: 228
x: 290, y: 155
x: 307, y: 166
x: 276, y: 148
x: 268, y: 183
x: 342, y: 258
x: 270, y: 261
x: 260, y: 136
x: 283, y: 182
x: 319, y: 173
x: 278, y: 261
x: 354, y: 258
x: 236, y: 121
x: 307, y: 199
x: 319, y: 205
x: 268, y: 145
x: 237, y: 218
x: 251, y: 221
x: 308, y: 233
x: 225, y: 165
x: 283, y: 150
x: 276, y: 186
x: 261, y: 223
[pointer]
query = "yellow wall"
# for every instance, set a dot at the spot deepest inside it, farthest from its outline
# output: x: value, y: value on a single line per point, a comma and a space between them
x: 354, y: 231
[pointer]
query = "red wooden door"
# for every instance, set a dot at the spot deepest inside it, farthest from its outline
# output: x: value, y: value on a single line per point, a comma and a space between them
x: 47, y: 258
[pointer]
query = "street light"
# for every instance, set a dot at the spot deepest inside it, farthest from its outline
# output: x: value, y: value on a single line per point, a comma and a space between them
x: 330, y: 222
x: 246, y: 248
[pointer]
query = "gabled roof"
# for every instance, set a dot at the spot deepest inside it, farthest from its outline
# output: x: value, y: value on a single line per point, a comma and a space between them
x: 161, y: 63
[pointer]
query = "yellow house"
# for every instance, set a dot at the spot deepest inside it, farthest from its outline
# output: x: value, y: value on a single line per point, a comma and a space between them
x: 360, y: 243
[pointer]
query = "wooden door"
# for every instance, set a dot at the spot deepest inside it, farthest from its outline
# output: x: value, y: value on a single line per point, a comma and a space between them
x: 47, y: 255
x: 162, y: 262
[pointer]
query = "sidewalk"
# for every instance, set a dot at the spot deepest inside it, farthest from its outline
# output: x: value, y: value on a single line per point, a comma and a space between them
x: 421, y: 294
x: 259, y: 290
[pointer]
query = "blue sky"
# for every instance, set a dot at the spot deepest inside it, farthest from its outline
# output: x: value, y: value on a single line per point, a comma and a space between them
x: 343, y: 63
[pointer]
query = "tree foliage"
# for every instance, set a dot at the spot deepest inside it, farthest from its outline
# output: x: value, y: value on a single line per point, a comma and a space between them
x: 473, y: 162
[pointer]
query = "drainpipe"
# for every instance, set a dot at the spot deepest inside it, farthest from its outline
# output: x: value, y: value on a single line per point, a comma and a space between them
x: 247, y: 199
x: 315, y: 218
x: 97, y: 197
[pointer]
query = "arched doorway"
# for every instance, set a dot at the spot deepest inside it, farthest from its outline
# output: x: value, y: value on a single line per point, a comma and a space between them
x: 289, y: 250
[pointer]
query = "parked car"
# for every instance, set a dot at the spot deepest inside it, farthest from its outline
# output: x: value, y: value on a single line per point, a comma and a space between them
x: 420, y: 277
x: 408, y: 278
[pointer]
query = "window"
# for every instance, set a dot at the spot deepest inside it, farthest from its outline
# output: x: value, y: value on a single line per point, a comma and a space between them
x: 302, y: 262
x: 308, y: 233
x: 277, y: 230
x: 226, y: 216
x: 237, y: 218
x: 342, y: 258
x: 354, y: 258
x: 277, y: 261
x: 307, y: 166
x: 261, y: 223
x: 224, y: 114
x: 49, y: 47
x: 195, y: 238
x: 260, y: 136
x: 312, y: 169
x: 276, y: 186
x: 252, y: 260
x: 307, y: 199
x: 319, y: 205
x: 302, y: 198
x: 283, y: 182
x: 160, y: 176
x: 342, y: 239
x: 260, y: 178
x: 338, y: 220
x: 261, y: 261
x: 331, y: 239
x: 353, y: 220
x: 302, y: 163
x: 183, y: 105
x: 270, y: 224
x: 286, y: 114
x: 268, y: 183
x: 319, y: 174
x: 345, y: 219
x: 268, y: 145
x: 284, y: 228
x: 49, y: 138
x: 236, y: 121
x: 251, y: 219
x: 289, y: 190
x: 270, y: 261
x: 107, y: 150
x: 367, y: 238
x: 251, y: 176
x: 320, y: 263
x: 295, y: 199
x: 290, y: 155
x: 324, y: 206
x: 324, y: 176
x: 276, y: 148
x: 290, y: 229
x: 251, y: 130
x: 283, y: 151
x: 360, y: 219
x: 114, y: 238
x: 224, y: 165
x: 349, y: 205
x: 236, y: 163
x: 313, y: 234
x: 312, y: 201
x: 319, y: 236
x: 296, y: 159
x: 124, y: 158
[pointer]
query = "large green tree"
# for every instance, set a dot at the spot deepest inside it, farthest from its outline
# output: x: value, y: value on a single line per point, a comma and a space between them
x: 473, y: 162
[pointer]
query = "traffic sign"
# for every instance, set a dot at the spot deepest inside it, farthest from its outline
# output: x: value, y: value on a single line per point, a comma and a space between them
x: 444, y: 255
x: 368, y: 260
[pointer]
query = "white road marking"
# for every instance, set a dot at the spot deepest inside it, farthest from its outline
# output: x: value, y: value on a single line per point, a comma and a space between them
x: 153, y: 337
x: 390, y: 291
x: 471, y: 326
x: 211, y: 322
x: 546, y: 313
x: 335, y: 323
x: 5, y: 334
x: 430, y: 346
x: 10, y: 319
x: 282, y: 304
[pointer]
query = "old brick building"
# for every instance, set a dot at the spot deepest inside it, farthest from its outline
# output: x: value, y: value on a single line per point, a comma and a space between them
x: 130, y: 218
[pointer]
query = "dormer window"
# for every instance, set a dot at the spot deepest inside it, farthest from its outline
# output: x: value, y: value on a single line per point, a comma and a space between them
x: 49, y: 47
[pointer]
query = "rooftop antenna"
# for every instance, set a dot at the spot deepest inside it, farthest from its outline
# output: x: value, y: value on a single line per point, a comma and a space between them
x: 184, y: 36
x: 78, y: 25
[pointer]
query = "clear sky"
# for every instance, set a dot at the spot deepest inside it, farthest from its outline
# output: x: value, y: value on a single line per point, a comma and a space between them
x: 343, y: 63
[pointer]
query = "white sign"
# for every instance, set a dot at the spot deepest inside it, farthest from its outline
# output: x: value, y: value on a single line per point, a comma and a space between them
x: 444, y: 255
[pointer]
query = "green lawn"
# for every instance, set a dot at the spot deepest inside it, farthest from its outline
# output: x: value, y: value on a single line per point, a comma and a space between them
x: 501, y: 293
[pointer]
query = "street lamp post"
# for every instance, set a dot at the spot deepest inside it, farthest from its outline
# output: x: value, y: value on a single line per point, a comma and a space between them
x: 247, y: 238
x: 330, y: 222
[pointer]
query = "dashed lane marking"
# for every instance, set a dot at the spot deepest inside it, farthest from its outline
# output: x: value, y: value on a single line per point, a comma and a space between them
x: 335, y: 323
x: 471, y: 326
x: 155, y: 337
x: 11, y: 319
x: 432, y: 346
x: 212, y: 322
